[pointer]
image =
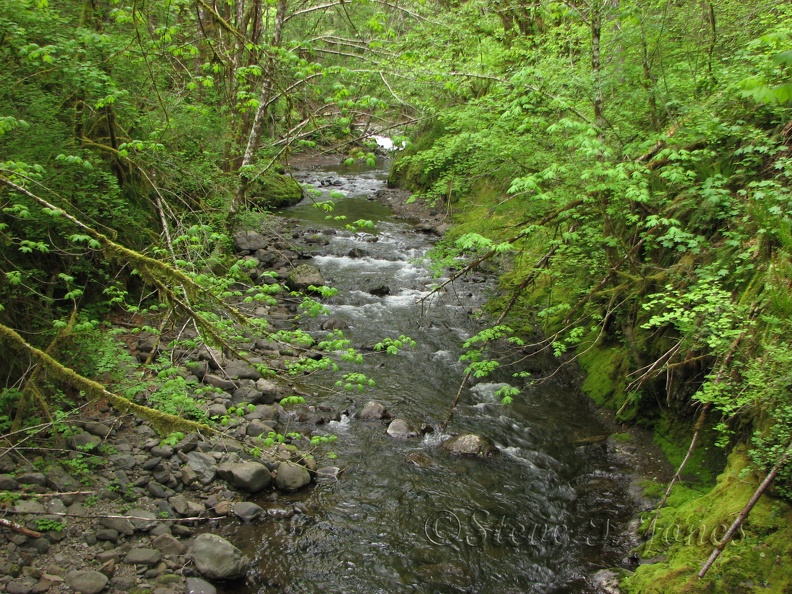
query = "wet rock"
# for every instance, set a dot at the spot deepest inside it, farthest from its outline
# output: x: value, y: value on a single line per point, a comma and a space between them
x: 304, y: 275
x: 357, y: 253
x: 86, y: 582
x: 334, y: 324
x: 399, y: 429
x: 328, y: 474
x: 248, y: 476
x: 216, y: 558
x: 247, y: 511
x: 199, y: 586
x: 291, y: 476
x: 380, y: 291
x: 469, y: 444
x: 419, y: 459
x: 606, y: 581
x: 373, y: 411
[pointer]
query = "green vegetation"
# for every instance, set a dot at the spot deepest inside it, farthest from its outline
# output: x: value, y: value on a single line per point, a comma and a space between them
x: 625, y: 166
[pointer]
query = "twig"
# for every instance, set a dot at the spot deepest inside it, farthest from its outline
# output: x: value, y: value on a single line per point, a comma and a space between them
x: 21, y: 529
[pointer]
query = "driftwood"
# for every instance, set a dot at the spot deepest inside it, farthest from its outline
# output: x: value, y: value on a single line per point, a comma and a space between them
x: 21, y: 529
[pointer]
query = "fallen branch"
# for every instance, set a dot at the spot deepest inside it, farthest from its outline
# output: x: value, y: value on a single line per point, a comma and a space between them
x: 21, y: 529
x: 744, y: 513
x: 111, y: 516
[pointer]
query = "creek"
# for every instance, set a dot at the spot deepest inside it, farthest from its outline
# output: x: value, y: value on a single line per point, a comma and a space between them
x: 543, y: 516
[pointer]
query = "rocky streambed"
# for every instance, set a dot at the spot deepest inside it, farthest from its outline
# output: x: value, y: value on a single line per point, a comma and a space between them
x: 265, y: 505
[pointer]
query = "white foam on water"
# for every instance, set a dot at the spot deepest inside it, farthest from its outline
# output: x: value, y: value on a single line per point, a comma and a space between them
x: 340, y: 426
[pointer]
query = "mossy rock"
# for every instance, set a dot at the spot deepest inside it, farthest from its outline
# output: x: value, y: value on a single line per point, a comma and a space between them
x: 274, y: 189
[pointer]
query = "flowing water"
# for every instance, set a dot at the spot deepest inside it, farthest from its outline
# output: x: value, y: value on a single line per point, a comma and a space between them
x: 543, y: 516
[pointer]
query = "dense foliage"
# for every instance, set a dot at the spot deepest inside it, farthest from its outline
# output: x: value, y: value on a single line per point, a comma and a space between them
x: 628, y: 162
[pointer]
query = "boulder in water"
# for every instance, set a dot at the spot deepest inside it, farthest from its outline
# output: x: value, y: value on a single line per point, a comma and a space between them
x: 373, y: 411
x: 303, y: 276
x: 470, y: 444
x: 399, y: 429
x: 216, y: 558
x: 380, y: 291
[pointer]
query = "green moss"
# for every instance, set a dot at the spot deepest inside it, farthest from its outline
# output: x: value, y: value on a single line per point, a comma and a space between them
x: 756, y: 561
x: 606, y: 374
x: 673, y: 435
x: 273, y: 189
x: 622, y: 437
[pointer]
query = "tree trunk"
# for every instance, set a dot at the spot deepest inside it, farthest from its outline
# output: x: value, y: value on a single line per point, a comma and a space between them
x: 262, y: 111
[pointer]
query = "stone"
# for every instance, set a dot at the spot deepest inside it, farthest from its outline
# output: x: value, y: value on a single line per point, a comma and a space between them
x: 86, y: 582
x: 334, y: 324
x: 120, y: 525
x: 469, y: 444
x: 419, y: 459
x: 291, y: 476
x: 258, y: 427
x: 248, y: 395
x: 169, y: 545
x: 204, y: 466
x: 216, y: 558
x: 124, y: 461
x: 198, y: 586
x: 250, y: 241
x: 60, y: 480
x: 248, y: 476
x: 188, y: 476
x: 148, y: 557
x: 84, y: 441
x: 142, y: 520
x: 107, y: 534
x: 373, y: 411
x: 32, y: 478
x: 399, y: 429
x: 98, y: 429
x: 21, y: 586
x: 328, y: 474
x: 357, y: 253
x: 380, y: 291
x: 247, y: 511
x: 29, y: 506
x: 219, y: 382
x: 304, y: 275
x: 241, y: 370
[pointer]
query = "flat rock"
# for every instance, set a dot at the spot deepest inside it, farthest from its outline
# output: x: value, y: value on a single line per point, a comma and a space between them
x: 169, y: 545
x: 224, y: 384
x: 86, y: 582
x: 120, y: 525
x: 304, y: 275
x: 149, y: 557
x: 204, y: 465
x: 247, y: 511
x: 8, y: 483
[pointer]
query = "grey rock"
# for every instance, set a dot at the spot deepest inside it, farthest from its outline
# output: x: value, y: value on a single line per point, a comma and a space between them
x: 247, y: 511
x: 32, y: 478
x: 21, y: 586
x: 250, y: 241
x: 399, y: 429
x: 142, y: 520
x: 124, y: 461
x: 248, y: 476
x: 8, y: 483
x: 188, y: 444
x: 60, y: 480
x: 149, y: 557
x: 304, y: 275
x: 219, y: 382
x: 28, y: 506
x: 373, y: 411
x: 328, y: 474
x: 83, y: 441
x: 121, y: 525
x: 216, y: 410
x: 188, y: 476
x: 198, y: 368
x: 258, y: 427
x: 98, y: 429
x: 162, y: 451
x: 291, y: 476
x: 199, y: 586
x: 107, y: 534
x: 248, y: 395
x: 334, y: 324
x: 147, y: 343
x: 216, y: 558
x: 241, y: 370
x: 169, y: 545
x: 151, y: 463
x: 86, y: 582
x: 469, y: 444
x: 268, y: 388
x: 203, y: 465
x: 357, y: 253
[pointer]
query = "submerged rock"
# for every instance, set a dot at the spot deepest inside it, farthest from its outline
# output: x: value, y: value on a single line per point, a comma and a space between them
x: 470, y: 444
x: 419, y: 459
x: 291, y: 476
x: 399, y: 429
